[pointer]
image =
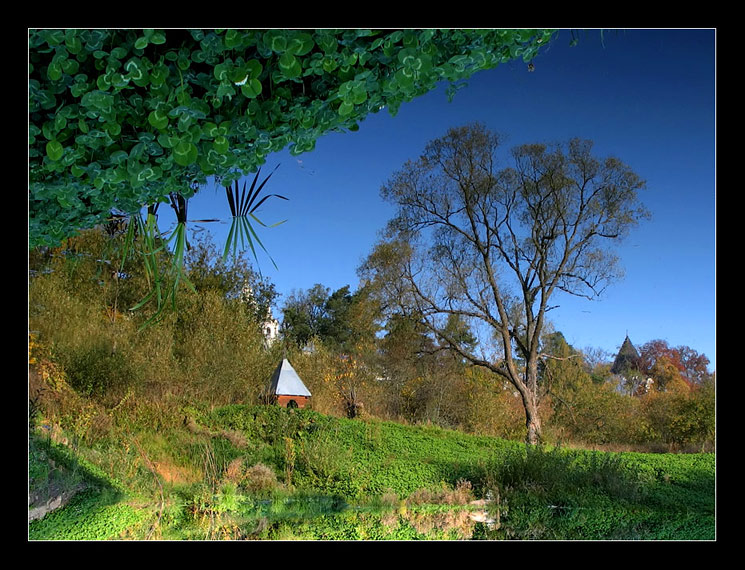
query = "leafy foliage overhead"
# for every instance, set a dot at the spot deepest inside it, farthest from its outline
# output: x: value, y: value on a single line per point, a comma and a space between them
x: 121, y: 119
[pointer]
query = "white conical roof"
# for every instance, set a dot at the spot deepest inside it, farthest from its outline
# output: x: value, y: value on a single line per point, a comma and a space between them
x: 286, y: 382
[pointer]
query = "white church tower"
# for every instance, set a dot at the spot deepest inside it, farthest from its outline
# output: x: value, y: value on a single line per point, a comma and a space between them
x: 270, y: 325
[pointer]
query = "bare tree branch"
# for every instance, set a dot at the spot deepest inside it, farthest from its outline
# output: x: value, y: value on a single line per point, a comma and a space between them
x: 495, y: 245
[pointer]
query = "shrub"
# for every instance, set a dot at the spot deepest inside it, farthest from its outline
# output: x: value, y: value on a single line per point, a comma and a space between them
x: 259, y: 478
x: 98, y: 369
x: 680, y: 418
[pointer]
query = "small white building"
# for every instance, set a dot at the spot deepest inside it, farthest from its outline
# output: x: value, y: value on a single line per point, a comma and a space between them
x: 286, y: 388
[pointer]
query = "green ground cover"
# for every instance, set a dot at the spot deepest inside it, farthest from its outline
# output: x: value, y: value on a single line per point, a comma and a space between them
x: 271, y: 474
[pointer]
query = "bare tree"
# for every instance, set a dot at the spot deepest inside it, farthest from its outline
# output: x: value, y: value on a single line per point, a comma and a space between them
x: 493, y: 245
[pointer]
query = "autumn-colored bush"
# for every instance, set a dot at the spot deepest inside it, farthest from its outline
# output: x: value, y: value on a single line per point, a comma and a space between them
x: 595, y: 414
x: 682, y: 418
x: 219, y: 351
x: 494, y: 408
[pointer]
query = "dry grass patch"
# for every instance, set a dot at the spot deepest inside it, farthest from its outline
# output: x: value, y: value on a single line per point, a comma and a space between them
x: 461, y: 495
x: 176, y: 474
x: 260, y: 478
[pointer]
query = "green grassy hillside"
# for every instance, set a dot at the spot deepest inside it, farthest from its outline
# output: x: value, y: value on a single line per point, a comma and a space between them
x: 242, y: 472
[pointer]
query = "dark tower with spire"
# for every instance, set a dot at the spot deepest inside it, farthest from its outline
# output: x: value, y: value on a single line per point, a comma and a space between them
x: 626, y: 368
x: 626, y: 359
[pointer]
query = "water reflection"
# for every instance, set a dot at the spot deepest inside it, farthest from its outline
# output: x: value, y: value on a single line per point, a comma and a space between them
x: 331, y: 518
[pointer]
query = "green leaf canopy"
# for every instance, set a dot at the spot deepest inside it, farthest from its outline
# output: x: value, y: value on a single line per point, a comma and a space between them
x: 121, y: 119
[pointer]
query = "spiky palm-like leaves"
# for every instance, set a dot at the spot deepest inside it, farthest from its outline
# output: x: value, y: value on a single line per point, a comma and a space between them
x: 163, y: 284
x: 243, y: 204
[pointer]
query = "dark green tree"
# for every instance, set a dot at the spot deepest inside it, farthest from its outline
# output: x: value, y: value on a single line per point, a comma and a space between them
x: 344, y: 321
x: 303, y: 314
x: 335, y: 328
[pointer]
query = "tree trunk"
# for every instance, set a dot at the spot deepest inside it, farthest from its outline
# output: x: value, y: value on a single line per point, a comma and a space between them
x: 531, y: 401
x: 532, y: 422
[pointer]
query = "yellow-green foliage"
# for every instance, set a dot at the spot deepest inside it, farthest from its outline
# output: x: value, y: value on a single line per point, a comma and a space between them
x: 209, y: 350
x: 494, y: 407
x: 220, y: 350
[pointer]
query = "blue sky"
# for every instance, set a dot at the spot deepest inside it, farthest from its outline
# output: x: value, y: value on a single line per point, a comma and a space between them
x: 645, y: 96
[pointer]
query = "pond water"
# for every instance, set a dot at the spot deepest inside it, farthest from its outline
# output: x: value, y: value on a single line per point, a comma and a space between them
x: 330, y: 518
